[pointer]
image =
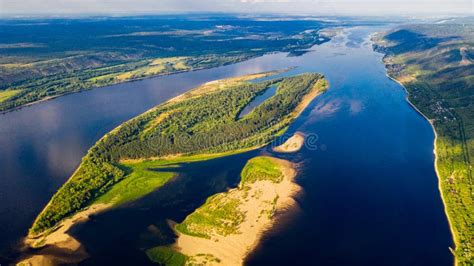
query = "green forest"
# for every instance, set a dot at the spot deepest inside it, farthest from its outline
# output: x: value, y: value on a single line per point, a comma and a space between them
x: 44, y: 58
x: 202, y: 121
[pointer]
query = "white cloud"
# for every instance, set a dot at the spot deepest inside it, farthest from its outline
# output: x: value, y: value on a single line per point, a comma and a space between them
x: 327, y: 7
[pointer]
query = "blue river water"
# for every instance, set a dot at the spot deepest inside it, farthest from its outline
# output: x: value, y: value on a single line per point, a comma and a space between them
x: 258, y: 100
x: 370, y: 194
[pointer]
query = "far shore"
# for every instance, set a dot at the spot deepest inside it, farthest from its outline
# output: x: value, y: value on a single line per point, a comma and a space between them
x: 16, y: 108
x: 48, y: 98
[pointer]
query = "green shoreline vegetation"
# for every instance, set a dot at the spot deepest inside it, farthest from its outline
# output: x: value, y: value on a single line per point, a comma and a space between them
x: 167, y: 256
x: 221, y: 215
x: 201, y: 123
x: 145, y: 176
x: 32, y: 91
x: 44, y: 59
x: 434, y: 63
x: 7, y: 94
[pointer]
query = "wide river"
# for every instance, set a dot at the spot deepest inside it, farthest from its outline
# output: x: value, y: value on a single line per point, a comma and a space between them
x: 370, y: 194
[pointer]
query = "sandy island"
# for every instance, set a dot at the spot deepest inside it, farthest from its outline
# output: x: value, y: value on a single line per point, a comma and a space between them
x: 293, y: 144
x: 260, y: 202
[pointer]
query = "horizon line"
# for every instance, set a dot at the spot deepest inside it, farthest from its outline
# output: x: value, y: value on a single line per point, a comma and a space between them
x: 262, y: 13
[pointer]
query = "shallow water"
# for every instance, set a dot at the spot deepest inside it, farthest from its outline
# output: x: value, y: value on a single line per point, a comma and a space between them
x: 370, y: 191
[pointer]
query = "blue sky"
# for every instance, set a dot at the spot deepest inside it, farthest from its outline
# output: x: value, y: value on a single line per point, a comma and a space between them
x: 324, y: 7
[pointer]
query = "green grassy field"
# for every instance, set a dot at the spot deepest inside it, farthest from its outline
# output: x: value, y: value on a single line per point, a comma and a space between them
x: 169, y: 257
x: 145, y: 176
x: 142, y: 180
x: 218, y: 215
x: 433, y: 61
x: 5, y: 95
x: 260, y: 168
x: 204, y: 123
x: 166, y: 256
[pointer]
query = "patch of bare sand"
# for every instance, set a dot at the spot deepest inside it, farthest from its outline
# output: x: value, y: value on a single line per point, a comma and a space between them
x: 261, y: 203
x: 215, y: 85
x: 406, y: 79
x: 292, y: 144
x: 319, y: 87
x: 465, y: 60
x: 58, y: 247
x: 51, y: 256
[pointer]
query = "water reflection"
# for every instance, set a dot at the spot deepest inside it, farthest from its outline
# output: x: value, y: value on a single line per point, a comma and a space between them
x: 42, y: 144
x: 370, y: 191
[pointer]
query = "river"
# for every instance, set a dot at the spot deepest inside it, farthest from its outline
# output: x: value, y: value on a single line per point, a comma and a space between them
x: 370, y: 194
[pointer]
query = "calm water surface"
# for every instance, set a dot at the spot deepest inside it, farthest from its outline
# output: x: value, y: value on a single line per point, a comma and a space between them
x: 370, y: 191
x: 258, y: 100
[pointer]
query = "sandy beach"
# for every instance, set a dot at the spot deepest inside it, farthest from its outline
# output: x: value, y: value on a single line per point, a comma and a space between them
x: 261, y: 203
x: 58, y: 247
x: 293, y: 144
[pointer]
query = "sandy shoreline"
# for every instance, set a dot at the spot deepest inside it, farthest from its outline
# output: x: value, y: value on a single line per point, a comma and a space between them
x: 58, y: 247
x: 293, y: 144
x: 440, y: 183
x: 262, y: 197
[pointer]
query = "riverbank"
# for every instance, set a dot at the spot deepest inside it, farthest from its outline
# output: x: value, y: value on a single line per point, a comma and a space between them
x: 57, y: 246
x: 230, y: 225
x: 133, y: 79
x: 435, y: 152
x: 451, y: 122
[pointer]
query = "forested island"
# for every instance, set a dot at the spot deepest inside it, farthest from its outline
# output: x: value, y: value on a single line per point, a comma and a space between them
x: 44, y: 58
x: 434, y: 62
x: 198, y: 125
